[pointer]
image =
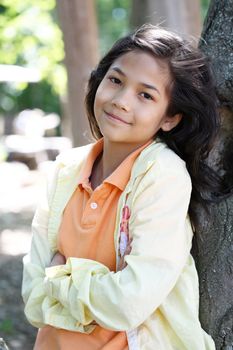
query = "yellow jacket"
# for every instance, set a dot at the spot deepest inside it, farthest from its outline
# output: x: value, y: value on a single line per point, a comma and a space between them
x: 155, y: 298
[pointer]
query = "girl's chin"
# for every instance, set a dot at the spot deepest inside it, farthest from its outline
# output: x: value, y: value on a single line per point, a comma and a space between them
x: 114, y: 134
x: 116, y: 139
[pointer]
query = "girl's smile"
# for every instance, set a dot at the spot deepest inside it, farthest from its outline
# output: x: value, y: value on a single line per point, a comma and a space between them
x: 116, y: 119
x: 131, y: 102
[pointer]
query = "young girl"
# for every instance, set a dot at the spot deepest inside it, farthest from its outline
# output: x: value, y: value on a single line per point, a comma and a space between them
x: 110, y: 265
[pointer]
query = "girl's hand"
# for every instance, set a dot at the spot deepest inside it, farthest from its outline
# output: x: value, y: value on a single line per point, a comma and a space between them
x: 122, y: 264
x: 58, y: 259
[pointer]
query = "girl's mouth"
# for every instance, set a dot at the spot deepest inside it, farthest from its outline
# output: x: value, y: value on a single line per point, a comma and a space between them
x: 116, y: 118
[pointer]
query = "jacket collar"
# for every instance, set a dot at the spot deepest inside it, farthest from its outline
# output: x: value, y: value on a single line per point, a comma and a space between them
x: 146, y: 159
x: 71, y: 161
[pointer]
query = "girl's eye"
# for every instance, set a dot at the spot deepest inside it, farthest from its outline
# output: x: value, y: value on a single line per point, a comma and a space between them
x: 146, y: 96
x: 114, y: 80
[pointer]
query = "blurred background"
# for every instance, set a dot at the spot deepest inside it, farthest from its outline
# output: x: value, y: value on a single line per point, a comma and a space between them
x: 47, y: 51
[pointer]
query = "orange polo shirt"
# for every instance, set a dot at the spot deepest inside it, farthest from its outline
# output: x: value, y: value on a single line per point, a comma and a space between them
x: 87, y: 231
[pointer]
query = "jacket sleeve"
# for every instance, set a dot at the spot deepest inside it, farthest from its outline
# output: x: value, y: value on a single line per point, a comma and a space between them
x: 85, y: 290
x: 39, y: 257
x: 35, y: 264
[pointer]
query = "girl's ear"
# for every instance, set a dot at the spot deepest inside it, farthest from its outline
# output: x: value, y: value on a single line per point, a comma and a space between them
x: 171, y: 122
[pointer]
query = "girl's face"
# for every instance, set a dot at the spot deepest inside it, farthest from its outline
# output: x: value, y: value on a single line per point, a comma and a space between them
x: 131, y: 101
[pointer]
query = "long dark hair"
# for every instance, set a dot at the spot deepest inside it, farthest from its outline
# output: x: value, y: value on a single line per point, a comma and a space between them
x: 192, y: 94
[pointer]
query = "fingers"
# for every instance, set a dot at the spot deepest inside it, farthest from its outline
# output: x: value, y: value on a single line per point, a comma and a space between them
x: 58, y: 259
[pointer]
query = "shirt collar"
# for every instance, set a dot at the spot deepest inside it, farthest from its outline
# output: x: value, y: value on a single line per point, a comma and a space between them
x: 95, y: 151
x: 121, y: 174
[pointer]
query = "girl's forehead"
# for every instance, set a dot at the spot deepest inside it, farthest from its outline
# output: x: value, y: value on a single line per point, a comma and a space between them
x: 142, y: 59
x: 141, y: 65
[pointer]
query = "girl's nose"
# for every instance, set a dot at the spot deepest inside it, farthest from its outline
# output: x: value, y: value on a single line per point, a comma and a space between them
x: 121, y: 101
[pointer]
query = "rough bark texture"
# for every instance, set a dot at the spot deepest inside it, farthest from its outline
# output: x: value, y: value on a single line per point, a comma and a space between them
x: 213, y: 245
x: 214, y: 260
x: 79, y: 27
x: 218, y: 35
x: 217, y: 43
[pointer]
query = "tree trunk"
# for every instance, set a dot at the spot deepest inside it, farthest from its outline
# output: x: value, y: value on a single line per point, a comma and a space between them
x: 78, y: 23
x: 182, y: 16
x: 213, y: 244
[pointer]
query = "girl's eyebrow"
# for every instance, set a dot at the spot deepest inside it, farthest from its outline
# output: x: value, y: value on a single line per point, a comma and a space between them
x: 152, y: 87
x: 147, y: 86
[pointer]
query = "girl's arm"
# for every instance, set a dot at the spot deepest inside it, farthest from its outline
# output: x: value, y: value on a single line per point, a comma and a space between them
x: 83, y: 291
x: 40, y: 255
x: 35, y: 262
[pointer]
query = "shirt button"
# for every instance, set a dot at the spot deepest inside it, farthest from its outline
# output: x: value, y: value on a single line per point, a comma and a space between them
x: 94, y: 205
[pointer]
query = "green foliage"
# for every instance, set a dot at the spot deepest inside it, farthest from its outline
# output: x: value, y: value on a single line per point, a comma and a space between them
x: 204, y: 8
x: 113, y: 21
x: 30, y: 37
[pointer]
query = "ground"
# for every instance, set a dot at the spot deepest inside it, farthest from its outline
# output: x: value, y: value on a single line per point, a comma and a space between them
x: 20, y: 191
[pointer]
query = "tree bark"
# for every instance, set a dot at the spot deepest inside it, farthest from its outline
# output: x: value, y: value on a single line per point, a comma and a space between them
x: 213, y: 243
x: 182, y: 16
x: 79, y: 27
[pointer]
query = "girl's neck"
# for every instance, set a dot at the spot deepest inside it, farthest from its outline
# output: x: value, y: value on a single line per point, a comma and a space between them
x: 113, y: 155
